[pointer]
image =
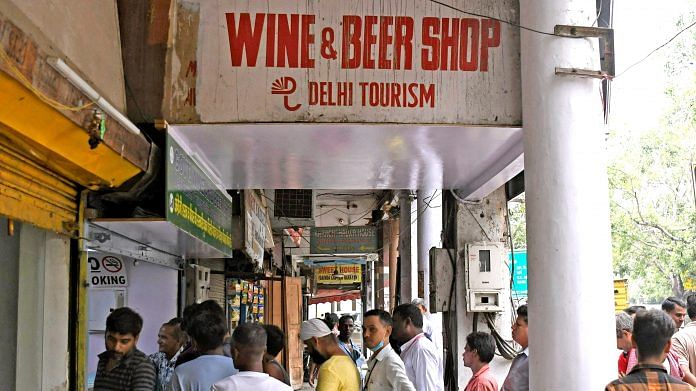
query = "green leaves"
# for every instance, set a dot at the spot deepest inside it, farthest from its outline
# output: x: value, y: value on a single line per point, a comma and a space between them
x: 652, y: 189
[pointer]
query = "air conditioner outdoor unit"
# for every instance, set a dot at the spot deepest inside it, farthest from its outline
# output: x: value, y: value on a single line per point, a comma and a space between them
x: 292, y: 208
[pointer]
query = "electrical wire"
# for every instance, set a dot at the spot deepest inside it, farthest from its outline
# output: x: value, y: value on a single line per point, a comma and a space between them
x: 39, y: 94
x: 519, y: 26
x: 505, y: 349
x: 562, y: 36
x: 599, y: 13
x: 658, y: 48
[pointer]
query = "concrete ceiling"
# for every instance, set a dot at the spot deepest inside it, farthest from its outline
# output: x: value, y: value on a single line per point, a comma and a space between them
x: 475, y: 160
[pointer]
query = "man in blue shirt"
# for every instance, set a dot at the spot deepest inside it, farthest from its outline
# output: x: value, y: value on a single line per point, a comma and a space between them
x: 345, y: 329
x: 207, y: 329
x: 170, y: 340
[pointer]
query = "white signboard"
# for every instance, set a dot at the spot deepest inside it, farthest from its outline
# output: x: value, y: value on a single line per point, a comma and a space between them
x: 344, y: 61
x: 107, y: 271
x: 257, y: 232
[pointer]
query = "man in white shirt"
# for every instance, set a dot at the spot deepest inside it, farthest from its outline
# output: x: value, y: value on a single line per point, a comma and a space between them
x: 422, y: 362
x: 385, y: 370
x: 248, y: 347
x: 432, y: 328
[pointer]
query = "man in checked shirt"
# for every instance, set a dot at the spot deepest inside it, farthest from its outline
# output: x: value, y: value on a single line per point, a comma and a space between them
x: 652, y: 333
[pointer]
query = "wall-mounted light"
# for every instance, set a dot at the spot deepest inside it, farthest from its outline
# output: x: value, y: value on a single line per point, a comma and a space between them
x: 82, y: 85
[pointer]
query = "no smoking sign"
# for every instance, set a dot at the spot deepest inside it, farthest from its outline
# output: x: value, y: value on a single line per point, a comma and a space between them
x: 106, y: 271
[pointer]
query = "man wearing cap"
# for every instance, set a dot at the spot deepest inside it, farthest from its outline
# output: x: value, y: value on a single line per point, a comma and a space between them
x: 337, y: 371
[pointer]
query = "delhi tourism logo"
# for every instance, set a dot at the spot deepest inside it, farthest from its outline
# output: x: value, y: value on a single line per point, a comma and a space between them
x: 285, y: 86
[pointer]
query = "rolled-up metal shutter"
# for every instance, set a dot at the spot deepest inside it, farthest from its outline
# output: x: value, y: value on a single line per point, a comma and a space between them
x: 34, y: 194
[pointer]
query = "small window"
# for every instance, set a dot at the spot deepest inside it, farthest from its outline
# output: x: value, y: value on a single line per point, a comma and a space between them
x: 484, y: 260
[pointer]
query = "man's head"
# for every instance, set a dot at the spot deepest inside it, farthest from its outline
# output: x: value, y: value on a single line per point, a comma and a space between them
x: 318, y: 338
x: 207, y: 331
x: 652, y: 333
x: 377, y: 328
x: 520, y: 329
x: 331, y: 321
x: 420, y: 303
x: 345, y: 327
x: 691, y: 306
x: 624, y: 331
x: 170, y: 337
x: 408, y: 322
x: 479, y: 349
x: 633, y: 309
x: 123, y: 327
x: 248, y: 346
x: 275, y: 339
x: 676, y: 308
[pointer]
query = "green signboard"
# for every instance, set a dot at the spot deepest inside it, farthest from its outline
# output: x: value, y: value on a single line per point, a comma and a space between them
x: 194, y: 202
x: 343, y: 240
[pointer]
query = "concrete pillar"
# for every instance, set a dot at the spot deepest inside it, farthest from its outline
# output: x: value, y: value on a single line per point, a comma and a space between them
x: 568, y: 240
x: 406, y: 265
x: 477, y: 223
x: 393, y: 255
x: 429, y: 232
x: 42, y: 320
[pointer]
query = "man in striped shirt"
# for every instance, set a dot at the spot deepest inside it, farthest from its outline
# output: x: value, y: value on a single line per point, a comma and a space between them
x: 652, y: 333
x: 122, y: 366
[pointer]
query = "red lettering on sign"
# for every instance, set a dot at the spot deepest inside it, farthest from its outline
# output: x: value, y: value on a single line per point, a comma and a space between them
x: 325, y: 93
x: 397, y: 94
x: 369, y: 40
x: 270, y: 40
x: 191, y: 97
x: 351, y: 42
x: 359, y: 39
x: 192, y: 68
x: 469, y: 48
x: 288, y: 38
x: 458, y: 44
x: 306, y: 60
x: 244, y: 37
x: 488, y: 27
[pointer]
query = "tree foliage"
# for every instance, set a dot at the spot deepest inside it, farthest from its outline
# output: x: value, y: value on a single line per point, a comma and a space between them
x: 652, y: 188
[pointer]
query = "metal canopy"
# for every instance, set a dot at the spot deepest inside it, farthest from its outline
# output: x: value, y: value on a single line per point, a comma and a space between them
x: 476, y: 160
x: 154, y: 240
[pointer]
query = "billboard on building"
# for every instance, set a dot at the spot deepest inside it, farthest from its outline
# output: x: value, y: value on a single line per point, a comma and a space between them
x: 365, y: 61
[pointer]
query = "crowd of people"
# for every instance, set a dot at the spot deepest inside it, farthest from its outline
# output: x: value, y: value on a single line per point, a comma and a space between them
x: 197, y: 353
x: 656, y: 352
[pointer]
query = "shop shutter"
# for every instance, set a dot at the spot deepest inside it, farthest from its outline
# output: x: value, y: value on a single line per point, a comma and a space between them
x: 217, y: 289
x: 34, y: 194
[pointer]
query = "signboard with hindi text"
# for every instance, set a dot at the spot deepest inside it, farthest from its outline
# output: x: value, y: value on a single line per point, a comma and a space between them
x: 195, y: 203
x: 343, y: 240
x: 363, y: 61
x: 343, y: 275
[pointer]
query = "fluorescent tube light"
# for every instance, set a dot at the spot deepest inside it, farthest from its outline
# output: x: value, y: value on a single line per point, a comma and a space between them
x: 82, y: 85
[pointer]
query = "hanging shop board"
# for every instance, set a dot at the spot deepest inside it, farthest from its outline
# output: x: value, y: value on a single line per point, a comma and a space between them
x: 107, y: 271
x: 257, y: 227
x: 334, y: 275
x: 343, y: 240
x: 195, y: 203
x: 364, y: 61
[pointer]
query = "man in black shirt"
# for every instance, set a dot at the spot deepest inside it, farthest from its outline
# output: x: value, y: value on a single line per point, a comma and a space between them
x: 122, y: 366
